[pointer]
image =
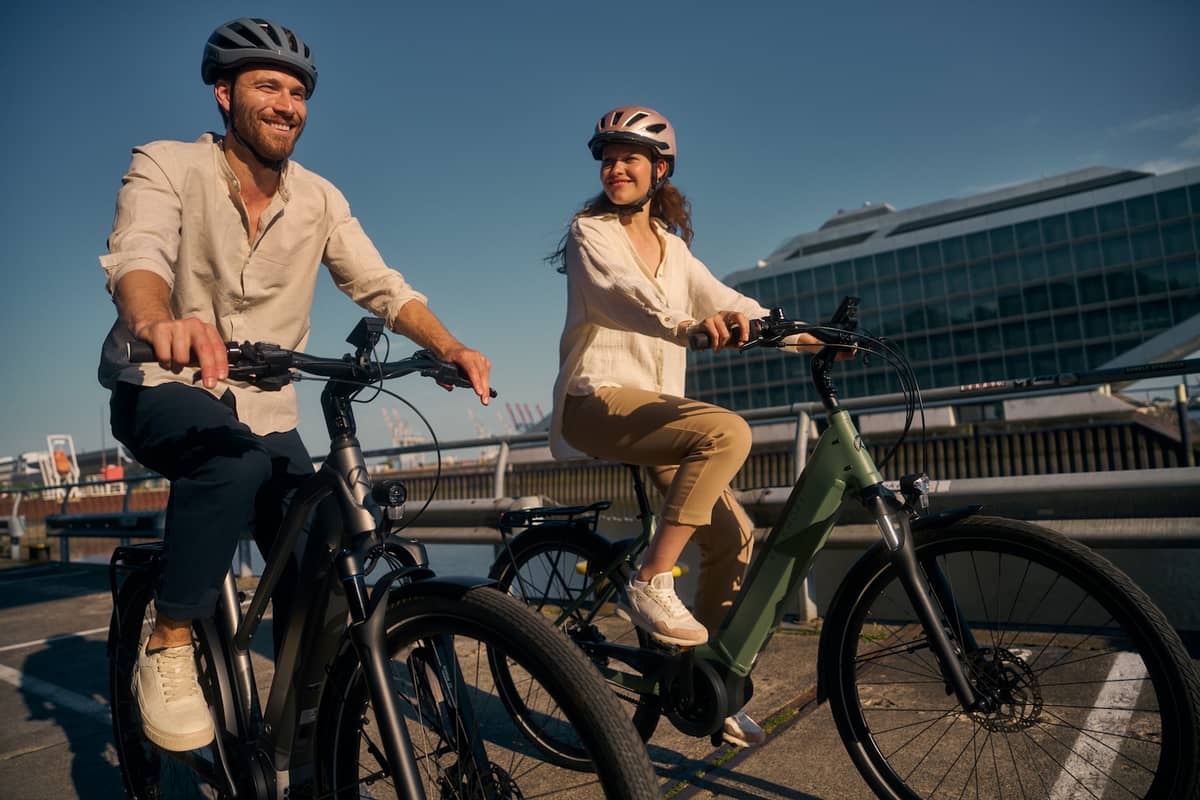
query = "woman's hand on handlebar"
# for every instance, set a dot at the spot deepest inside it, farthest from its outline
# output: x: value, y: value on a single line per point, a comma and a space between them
x: 179, y: 343
x: 476, y: 367
x: 724, y: 329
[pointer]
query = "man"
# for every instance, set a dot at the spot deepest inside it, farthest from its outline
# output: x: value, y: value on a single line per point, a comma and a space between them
x: 222, y: 240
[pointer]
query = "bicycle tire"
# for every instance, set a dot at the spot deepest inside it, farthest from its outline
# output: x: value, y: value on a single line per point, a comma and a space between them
x: 1098, y: 695
x: 556, y: 569
x: 476, y: 622
x: 148, y: 773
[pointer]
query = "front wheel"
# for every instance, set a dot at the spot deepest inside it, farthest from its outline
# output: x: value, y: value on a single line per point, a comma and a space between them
x: 464, y: 739
x: 1088, y: 691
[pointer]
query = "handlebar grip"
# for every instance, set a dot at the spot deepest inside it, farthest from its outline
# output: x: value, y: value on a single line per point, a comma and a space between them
x: 702, y: 341
x: 140, y: 352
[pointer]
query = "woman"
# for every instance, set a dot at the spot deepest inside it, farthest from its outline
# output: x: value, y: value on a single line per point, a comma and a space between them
x: 635, y: 292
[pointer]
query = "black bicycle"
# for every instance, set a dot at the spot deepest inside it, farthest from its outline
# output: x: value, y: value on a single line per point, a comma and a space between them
x: 381, y: 684
x: 963, y: 655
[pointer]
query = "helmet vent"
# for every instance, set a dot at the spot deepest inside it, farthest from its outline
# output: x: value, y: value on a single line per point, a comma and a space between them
x: 657, y: 127
x: 636, y: 118
x: 243, y: 31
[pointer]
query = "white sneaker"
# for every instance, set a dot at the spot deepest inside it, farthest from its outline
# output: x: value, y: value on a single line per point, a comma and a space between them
x: 655, y: 608
x: 175, y: 715
x: 742, y: 731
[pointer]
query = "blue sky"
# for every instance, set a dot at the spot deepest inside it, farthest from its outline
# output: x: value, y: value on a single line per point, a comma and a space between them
x: 457, y: 131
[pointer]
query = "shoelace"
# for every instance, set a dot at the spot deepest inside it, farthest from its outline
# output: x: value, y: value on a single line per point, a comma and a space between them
x: 667, y: 599
x: 176, y: 668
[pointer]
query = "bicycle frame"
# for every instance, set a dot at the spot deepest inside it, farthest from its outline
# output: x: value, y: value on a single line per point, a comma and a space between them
x: 275, y: 743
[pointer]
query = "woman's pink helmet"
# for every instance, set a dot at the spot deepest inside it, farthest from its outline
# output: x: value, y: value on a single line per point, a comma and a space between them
x: 635, y: 125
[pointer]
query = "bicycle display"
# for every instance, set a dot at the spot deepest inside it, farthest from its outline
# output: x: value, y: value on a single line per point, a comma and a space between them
x: 380, y: 689
x: 963, y: 655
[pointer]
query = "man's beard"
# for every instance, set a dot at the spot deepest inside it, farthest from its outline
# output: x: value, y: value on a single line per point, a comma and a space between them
x: 256, y: 134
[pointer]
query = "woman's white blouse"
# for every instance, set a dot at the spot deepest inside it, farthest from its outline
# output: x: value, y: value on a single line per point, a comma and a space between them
x: 621, y: 323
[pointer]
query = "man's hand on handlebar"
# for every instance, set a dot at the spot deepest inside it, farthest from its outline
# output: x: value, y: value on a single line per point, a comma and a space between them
x: 476, y: 367
x: 179, y: 343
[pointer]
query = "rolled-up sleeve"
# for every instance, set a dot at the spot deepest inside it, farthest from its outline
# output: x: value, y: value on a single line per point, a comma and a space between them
x: 146, y: 230
x: 360, y: 271
x: 615, y: 291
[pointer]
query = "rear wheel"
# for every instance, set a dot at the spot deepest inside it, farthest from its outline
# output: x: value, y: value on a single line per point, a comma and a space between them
x: 1089, y: 691
x: 560, y: 573
x: 464, y: 738
x: 148, y: 773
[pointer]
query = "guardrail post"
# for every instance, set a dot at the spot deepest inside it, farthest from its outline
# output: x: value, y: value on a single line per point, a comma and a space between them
x: 1188, y: 457
x: 806, y: 598
x: 501, y: 470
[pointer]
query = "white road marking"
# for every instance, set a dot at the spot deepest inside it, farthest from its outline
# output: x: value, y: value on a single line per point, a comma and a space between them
x: 1090, y: 758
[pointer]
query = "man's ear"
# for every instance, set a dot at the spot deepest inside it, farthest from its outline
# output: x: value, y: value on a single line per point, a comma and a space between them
x: 223, y: 91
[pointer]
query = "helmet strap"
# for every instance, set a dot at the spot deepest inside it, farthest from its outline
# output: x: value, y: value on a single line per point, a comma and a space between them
x: 634, y: 208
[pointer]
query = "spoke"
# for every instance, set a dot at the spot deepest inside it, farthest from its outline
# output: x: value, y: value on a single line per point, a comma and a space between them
x: 1086, y: 733
x: 1126, y: 736
x: 1016, y: 597
x: 983, y: 601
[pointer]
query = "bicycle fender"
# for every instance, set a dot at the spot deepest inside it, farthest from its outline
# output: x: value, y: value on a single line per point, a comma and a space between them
x: 875, y: 557
x: 441, y: 586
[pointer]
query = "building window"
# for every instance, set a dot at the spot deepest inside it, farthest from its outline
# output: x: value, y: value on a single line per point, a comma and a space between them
x: 1033, y: 266
x: 982, y: 278
x: 1029, y: 235
x: 1172, y: 204
x: 1066, y: 327
x: 1010, y: 302
x: 1058, y: 261
x: 1062, y: 294
x: 1036, y: 298
x: 1054, y: 229
x: 1120, y: 283
x: 1002, y: 241
x: 931, y: 255
x: 1086, y: 255
x: 977, y: 245
x: 1141, y: 211
x: 1115, y: 250
x: 1146, y: 244
x: 1091, y: 289
x: 1014, y: 334
x: 1177, y: 239
x: 1111, y: 217
x: 1151, y: 279
x: 1095, y: 324
x: 1182, y: 275
x: 953, y: 250
x: 1083, y: 223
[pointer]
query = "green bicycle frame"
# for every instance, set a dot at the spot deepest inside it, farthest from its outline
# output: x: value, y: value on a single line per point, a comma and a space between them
x: 839, y: 464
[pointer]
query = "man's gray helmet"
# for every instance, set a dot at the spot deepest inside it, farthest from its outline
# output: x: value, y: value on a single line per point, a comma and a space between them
x: 255, y: 41
x: 636, y: 125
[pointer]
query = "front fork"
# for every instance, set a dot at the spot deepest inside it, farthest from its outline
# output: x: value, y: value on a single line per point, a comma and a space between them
x: 368, y: 634
x: 930, y: 595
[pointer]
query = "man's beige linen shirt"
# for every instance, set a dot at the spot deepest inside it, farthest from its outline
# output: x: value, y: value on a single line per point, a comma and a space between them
x: 180, y: 215
x: 621, y: 322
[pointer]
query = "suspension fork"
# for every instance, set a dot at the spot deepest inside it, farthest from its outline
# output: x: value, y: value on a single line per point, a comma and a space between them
x: 369, y: 637
x: 921, y: 590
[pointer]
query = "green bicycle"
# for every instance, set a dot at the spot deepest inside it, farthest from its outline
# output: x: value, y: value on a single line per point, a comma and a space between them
x: 962, y: 655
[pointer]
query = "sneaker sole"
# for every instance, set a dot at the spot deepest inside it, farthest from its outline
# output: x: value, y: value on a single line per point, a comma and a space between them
x: 628, y: 615
x: 177, y: 742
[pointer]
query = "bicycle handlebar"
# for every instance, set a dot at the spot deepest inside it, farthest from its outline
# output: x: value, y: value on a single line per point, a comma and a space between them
x: 269, y: 366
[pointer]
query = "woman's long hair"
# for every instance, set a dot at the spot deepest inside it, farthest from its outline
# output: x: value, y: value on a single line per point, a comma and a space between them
x: 669, y: 205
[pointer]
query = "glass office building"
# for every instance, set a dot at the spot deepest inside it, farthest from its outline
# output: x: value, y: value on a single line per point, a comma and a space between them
x: 1060, y: 275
